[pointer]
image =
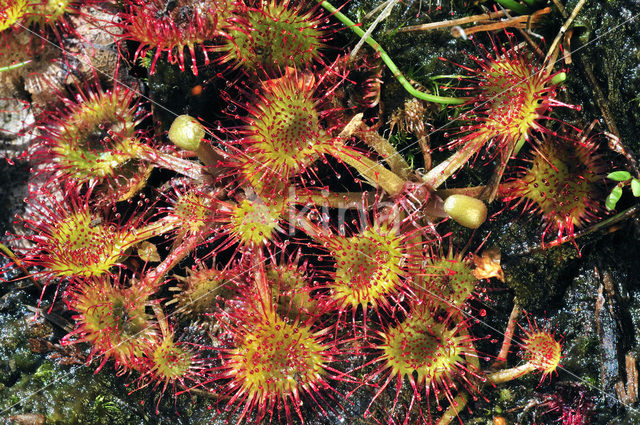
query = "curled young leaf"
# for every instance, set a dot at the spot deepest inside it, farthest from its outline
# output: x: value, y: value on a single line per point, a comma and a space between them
x: 613, y: 198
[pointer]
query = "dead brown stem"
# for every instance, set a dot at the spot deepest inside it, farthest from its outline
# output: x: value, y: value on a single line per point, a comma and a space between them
x: 454, y: 22
x: 382, y: 146
x: 552, y: 53
x: 521, y: 22
x: 336, y: 199
x: 476, y: 191
x: 567, y: 47
x: 628, y: 393
x: 425, y: 147
x: 530, y: 42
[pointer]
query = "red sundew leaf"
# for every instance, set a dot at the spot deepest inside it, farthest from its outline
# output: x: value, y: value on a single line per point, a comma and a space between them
x: 277, y: 35
x: 563, y: 184
x: 174, y: 31
x: 510, y: 96
x: 275, y: 363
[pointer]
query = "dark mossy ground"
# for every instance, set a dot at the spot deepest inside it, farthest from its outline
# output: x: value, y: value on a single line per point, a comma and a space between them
x: 590, y: 296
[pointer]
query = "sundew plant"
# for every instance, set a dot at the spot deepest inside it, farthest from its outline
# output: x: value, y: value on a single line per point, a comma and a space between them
x: 249, y: 211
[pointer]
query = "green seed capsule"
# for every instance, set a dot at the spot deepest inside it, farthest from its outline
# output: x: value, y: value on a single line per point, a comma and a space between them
x: 465, y: 210
x: 186, y: 133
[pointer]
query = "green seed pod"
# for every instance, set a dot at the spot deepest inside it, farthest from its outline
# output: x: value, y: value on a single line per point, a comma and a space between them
x: 465, y: 210
x: 186, y: 133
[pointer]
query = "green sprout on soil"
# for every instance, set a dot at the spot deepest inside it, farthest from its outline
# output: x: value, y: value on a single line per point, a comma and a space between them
x: 624, y: 179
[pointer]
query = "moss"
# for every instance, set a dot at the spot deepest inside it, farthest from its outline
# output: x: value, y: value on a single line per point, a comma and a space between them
x: 32, y: 383
x: 537, y: 277
x: 619, y: 75
x: 539, y: 280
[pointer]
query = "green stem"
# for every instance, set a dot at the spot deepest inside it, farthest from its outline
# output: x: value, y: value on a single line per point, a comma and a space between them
x: 476, y: 191
x: 15, y: 65
x: 514, y: 6
x: 439, y: 174
x: 157, y: 228
x: 386, y: 150
x: 155, y: 277
x: 387, y: 60
x: 333, y: 199
x: 210, y: 156
x: 452, y: 412
x: 10, y: 255
x: 518, y: 146
x: 376, y: 174
x: 171, y: 162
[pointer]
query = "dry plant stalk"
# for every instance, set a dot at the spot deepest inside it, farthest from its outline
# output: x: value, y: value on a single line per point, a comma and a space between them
x: 628, y: 394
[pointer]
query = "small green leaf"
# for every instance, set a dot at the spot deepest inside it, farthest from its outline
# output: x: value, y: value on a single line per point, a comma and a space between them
x: 613, y: 198
x: 635, y: 187
x: 619, y: 176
